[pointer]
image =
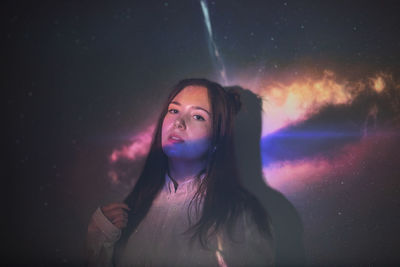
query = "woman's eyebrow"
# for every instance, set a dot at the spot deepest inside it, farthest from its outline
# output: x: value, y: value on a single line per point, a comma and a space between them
x: 195, y: 107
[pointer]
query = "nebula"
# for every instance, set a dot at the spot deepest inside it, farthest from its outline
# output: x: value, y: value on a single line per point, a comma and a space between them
x: 310, y: 126
x: 294, y: 176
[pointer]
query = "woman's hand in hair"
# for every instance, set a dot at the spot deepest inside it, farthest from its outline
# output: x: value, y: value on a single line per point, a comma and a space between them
x: 116, y: 213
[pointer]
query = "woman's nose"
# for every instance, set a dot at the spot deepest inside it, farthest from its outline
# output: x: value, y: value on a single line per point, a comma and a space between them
x: 180, y: 123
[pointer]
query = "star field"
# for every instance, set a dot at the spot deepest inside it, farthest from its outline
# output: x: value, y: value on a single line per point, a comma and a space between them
x: 82, y: 79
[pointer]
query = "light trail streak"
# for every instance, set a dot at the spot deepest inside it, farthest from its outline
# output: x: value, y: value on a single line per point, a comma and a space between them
x: 214, y: 52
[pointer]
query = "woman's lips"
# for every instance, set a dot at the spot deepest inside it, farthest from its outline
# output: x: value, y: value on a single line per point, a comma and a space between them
x: 175, y: 139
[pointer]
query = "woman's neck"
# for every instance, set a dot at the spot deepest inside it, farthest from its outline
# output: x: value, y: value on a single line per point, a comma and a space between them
x: 180, y: 169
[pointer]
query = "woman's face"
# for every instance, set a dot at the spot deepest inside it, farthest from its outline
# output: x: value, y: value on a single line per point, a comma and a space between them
x: 186, y: 129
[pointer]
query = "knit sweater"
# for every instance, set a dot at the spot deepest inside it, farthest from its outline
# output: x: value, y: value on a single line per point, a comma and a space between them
x: 159, y: 240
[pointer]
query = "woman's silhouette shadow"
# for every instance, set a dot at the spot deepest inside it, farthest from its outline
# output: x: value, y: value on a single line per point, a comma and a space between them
x: 286, y: 223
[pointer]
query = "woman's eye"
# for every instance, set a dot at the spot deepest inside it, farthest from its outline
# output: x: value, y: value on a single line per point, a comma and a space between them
x: 173, y: 111
x: 198, y: 117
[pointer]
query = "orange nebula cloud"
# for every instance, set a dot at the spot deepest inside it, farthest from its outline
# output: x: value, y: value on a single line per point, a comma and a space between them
x: 295, y: 101
x: 287, y: 104
x: 378, y: 83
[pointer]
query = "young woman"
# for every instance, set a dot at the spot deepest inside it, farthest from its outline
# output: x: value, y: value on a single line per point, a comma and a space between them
x: 188, y: 207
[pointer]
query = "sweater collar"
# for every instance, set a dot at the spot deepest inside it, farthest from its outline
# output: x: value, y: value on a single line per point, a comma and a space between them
x: 174, y: 185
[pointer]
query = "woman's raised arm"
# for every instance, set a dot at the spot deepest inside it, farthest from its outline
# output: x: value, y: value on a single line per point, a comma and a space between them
x: 103, y: 231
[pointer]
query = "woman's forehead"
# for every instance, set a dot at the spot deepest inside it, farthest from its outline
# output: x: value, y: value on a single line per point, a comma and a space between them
x: 193, y: 95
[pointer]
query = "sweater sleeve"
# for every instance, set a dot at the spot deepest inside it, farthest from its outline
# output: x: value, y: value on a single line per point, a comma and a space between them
x: 101, y: 237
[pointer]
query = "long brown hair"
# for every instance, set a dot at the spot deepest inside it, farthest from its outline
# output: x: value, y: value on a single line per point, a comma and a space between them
x: 220, y: 195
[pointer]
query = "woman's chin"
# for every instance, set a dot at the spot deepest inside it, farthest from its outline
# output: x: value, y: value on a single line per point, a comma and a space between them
x: 173, y: 152
x: 182, y: 152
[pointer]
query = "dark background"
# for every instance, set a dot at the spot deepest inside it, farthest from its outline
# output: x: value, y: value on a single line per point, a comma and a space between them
x: 81, y: 77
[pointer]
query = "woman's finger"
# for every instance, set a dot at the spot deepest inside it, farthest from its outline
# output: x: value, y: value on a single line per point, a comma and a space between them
x: 119, y: 219
x: 113, y: 206
x: 121, y: 223
x: 114, y: 213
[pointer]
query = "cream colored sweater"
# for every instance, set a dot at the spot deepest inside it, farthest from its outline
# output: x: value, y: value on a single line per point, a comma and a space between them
x: 159, y: 238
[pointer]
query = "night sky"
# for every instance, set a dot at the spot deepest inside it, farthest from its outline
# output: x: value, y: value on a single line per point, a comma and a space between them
x: 85, y: 81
